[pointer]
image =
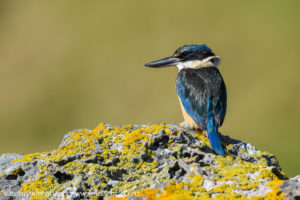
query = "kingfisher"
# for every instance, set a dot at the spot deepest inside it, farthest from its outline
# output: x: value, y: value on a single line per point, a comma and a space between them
x: 201, y: 90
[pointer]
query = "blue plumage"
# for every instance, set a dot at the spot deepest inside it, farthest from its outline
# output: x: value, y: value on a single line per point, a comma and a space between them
x: 203, y: 95
x: 212, y: 130
x: 193, y: 48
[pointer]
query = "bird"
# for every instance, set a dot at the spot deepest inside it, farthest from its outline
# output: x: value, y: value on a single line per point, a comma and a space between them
x: 201, y: 90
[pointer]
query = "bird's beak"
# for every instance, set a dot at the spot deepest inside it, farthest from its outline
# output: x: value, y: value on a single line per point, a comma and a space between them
x: 165, y: 62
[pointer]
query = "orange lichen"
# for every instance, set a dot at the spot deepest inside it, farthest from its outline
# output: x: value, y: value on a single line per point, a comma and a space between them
x: 275, y: 194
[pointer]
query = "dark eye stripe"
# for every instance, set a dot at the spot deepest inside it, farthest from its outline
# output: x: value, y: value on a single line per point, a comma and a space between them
x: 184, y: 53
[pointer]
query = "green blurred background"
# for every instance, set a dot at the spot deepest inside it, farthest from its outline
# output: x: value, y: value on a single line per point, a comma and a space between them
x: 73, y: 64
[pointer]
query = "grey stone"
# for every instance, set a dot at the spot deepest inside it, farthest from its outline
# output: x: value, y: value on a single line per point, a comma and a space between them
x: 291, y: 188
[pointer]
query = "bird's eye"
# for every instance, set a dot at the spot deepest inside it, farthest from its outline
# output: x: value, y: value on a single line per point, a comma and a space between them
x: 184, y: 53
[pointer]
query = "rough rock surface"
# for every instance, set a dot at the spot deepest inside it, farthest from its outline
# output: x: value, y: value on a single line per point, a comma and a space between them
x: 143, y: 162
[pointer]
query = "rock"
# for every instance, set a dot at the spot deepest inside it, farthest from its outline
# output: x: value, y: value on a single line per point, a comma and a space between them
x: 140, y: 162
x: 291, y: 188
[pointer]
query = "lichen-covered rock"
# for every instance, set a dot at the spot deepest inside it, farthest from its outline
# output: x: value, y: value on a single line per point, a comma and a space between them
x: 144, y: 162
x: 291, y: 188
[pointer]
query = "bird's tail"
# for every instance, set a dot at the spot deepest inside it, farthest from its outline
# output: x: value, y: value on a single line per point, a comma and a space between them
x: 212, y: 131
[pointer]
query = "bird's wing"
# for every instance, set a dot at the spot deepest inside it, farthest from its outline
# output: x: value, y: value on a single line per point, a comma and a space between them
x: 220, y: 102
x: 193, y: 93
x: 195, y: 87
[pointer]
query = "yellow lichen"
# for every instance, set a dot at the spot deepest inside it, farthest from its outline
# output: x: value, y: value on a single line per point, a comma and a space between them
x: 275, y: 194
x: 28, y: 158
x: 134, y: 136
x: 202, y: 137
x: 224, y: 188
x: 229, y: 197
x: 39, y: 189
x: 256, y: 198
x: 155, y: 128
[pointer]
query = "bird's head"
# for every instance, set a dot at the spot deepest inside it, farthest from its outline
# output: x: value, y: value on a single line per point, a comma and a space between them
x: 189, y: 56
